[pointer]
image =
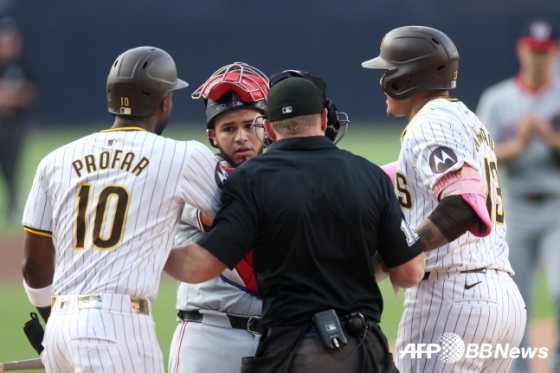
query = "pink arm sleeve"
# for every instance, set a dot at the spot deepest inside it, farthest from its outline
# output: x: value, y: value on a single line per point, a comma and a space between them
x: 391, y: 170
x: 478, y: 204
x: 466, y: 183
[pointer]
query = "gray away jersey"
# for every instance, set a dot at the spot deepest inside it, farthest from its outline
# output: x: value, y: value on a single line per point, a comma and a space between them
x: 501, y: 108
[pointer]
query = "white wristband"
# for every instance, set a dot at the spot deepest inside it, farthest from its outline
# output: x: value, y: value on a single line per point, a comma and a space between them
x: 38, y: 297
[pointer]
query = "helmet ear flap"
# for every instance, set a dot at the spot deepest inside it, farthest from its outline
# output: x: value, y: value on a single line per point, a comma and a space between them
x: 397, y: 87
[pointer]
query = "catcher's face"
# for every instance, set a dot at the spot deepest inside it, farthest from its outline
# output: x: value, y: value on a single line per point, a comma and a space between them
x: 234, y: 136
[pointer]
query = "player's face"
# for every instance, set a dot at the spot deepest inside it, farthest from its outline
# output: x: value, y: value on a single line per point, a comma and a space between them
x: 396, y: 108
x: 537, y: 62
x: 10, y: 45
x: 234, y: 136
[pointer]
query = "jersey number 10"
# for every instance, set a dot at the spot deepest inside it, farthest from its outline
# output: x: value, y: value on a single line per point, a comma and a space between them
x: 109, y: 219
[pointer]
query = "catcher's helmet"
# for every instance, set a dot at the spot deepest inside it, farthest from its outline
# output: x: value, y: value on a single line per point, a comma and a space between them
x: 423, y: 53
x: 235, y: 86
x: 139, y: 79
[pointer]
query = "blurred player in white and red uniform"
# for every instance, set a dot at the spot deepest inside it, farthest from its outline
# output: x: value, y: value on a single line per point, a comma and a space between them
x: 100, y: 221
x: 522, y: 114
x: 216, y: 316
x: 446, y: 179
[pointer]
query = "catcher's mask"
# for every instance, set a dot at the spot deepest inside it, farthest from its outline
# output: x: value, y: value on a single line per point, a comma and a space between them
x: 232, y: 87
x: 416, y: 59
x: 335, y: 119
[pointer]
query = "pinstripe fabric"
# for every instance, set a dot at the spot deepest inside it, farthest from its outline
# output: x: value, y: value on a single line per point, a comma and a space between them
x: 177, y: 173
x: 111, y: 201
x: 443, y: 123
x: 441, y: 138
x: 490, y: 312
x: 91, y: 340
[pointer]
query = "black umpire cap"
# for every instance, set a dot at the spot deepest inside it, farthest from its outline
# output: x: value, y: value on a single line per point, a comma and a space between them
x: 293, y: 97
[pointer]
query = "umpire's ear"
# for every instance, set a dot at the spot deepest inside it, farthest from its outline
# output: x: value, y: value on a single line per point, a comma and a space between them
x: 270, y: 132
x: 324, y: 120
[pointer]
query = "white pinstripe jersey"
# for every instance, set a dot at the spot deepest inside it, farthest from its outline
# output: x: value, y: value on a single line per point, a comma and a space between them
x: 111, y: 201
x: 443, y: 136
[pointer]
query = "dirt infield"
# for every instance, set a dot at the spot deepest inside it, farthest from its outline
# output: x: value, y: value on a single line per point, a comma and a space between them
x: 542, y: 332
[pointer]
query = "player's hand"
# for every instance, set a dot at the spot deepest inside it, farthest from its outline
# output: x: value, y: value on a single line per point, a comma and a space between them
x: 206, y: 220
x: 547, y: 133
x: 526, y: 128
x: 379, y: 268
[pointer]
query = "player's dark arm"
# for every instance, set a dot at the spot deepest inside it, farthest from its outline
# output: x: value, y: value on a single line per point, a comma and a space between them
x: 38, y: 270
x: 193, y: 264
x: 462, y: 208
x: 452, y: 217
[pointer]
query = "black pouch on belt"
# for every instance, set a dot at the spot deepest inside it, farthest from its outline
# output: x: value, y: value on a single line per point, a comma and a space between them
x: 34, y: 332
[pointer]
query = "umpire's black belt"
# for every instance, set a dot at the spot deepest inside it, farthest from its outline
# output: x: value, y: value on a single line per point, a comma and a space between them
x: 477, y: 270
x: 252, y: 324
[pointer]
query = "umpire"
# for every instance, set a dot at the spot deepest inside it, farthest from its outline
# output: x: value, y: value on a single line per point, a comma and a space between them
x: 314, y: 216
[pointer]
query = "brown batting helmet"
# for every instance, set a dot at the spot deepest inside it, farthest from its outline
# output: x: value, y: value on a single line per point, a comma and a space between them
x: 426, y: 55
x: 139, y: 79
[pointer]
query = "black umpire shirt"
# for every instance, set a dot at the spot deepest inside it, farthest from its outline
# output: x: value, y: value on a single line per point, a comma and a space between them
x: 313, y: 215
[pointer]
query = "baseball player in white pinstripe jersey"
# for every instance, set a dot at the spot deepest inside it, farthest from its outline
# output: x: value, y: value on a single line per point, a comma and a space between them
x: 446, y: 179
x: 100, y: 221
x: 216, y: 315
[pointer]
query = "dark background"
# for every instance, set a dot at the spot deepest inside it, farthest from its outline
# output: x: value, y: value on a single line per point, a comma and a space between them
x: 71, y: 45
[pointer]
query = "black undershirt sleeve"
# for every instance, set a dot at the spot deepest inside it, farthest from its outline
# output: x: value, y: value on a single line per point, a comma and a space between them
x: 453, y: 217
